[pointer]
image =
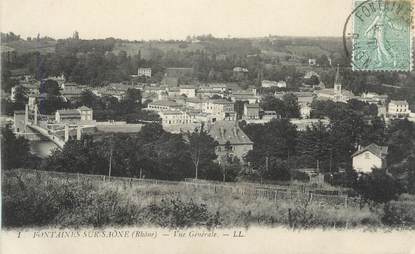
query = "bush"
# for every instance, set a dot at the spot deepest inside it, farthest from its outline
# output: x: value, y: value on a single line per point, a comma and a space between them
x: 176, y: 213
x: 400, y: 212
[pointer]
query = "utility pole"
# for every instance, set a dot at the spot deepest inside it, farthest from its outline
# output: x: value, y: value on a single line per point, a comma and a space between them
x: 318, y: 166
x: 266, y: 163
x: 110, y: 166
x: 331, y: 158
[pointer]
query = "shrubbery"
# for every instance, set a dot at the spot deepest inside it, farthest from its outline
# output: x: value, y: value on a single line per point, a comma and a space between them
x: 400, y: 212
x: 35, y: 200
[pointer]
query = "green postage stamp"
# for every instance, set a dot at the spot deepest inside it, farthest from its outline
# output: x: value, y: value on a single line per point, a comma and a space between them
x: 382, y: 35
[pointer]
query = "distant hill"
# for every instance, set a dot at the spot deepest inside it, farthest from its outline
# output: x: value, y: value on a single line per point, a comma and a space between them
x: 43, y: 46
x: 147, y: 48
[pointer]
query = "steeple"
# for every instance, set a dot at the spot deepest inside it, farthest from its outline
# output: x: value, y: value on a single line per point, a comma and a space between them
x: 337, y: 83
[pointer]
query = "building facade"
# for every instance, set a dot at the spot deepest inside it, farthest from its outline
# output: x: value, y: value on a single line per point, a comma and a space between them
x: 144, y: 72
x: 398, y: 109
x: 369, y: 157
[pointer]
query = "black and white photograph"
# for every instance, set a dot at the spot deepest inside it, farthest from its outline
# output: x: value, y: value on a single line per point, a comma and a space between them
x: 207, y: 126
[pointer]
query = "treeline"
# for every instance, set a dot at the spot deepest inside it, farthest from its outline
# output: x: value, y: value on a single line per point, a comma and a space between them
x: 151, y: 153
x: 105, y: 108
x: 279, y: 147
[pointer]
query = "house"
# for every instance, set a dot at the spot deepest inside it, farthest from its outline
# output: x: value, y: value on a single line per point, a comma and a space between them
x: 195, y: 103
x: 220, y: 87
x: 251, y: 111
x: 373, y: 98
x: 144, y: 72
x: 176, y: 121
x: 220, y: 108
x: 189, y: 91
x: 86, y: 113
x: 173, y: 92
x: 74, y: 116
x: 268, y: 115
x: 240, y: 73
x: 398, y: 109
x: 312, y: 61
x: 305, y: 110
x: 268, y: 83
x: 282, y: 84
x: 231, y: 139
x: 369, y: 157
x: 310, y: 74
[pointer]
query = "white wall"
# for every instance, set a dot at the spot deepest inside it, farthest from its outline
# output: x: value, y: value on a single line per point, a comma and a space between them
x: 366, y: 161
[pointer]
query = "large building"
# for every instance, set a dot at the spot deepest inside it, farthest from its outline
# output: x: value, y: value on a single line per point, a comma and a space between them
x: 189, y: 91
x: 240, y: 73
x: 369, y: 157
x: 398, y: 109
x: 228, y: 133
x: 163, y: 105
x: 336, y: 94
x: 74, y: 116
x: 251, y: 111
x: 175, y: 121
x: 144, y: 72
x: 220, y: 108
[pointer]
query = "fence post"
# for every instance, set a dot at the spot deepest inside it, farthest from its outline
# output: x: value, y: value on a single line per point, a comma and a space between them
x: 77, y: 177
x: 345, y: 202
x: 275, y: 196
x: 103, y: 178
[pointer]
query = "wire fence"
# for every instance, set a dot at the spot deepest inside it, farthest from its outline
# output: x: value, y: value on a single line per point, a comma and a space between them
x: 272, y: 193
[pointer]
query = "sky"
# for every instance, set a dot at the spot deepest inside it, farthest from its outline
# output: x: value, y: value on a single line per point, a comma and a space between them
x: 173, y: 19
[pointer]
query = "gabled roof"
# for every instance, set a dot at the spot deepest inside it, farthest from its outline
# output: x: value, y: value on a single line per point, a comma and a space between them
x: 84, y: 108
x: 69, y: 112
x: 165, y: 103
x: 255, y: 105
x: 400, y: 103
x: 221, y: 101
x: 379, y: 151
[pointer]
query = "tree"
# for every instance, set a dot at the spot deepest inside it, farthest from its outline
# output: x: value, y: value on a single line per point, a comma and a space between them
x: 14, y: 150
x: 274, y: 104
x: 50, y: 87
x: 201, y: 148
x: 315, y: 145
x: 372, y: 186
x: 239, y: 108
x: 274, y: 144
x: 88, y: 99
x: 292, y: 109
x: 151, y: 132
x: 20, y: 97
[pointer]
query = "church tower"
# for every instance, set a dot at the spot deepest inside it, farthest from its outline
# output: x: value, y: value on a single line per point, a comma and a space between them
x: 337, y: 83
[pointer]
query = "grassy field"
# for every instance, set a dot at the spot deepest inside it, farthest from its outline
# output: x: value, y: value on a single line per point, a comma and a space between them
x: 37, y: 200
x: 109, y: 203
x: 23, y: 46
